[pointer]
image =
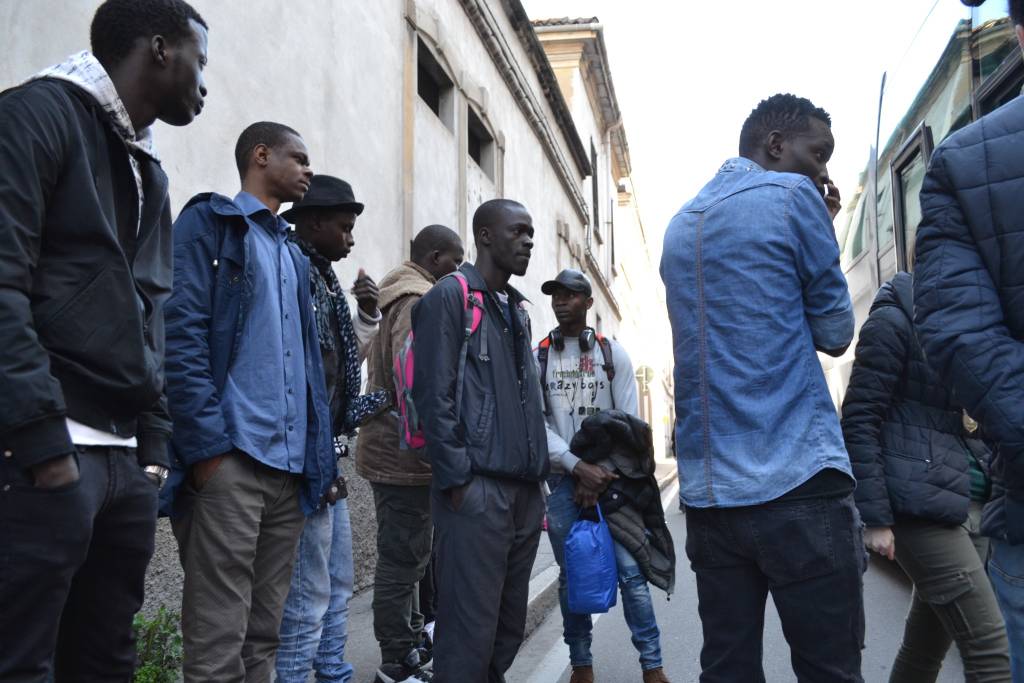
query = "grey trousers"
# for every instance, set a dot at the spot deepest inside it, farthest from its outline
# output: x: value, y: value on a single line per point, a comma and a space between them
x: 485, y: 553
x: 404, y: 531
x: 236, y: 538
x: 953, y: 600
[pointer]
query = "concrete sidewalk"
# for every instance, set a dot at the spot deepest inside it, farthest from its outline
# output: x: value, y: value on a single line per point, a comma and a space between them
x: 362, y: 651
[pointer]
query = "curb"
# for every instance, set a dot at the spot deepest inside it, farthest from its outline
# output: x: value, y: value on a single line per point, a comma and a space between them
x: 544, y: 587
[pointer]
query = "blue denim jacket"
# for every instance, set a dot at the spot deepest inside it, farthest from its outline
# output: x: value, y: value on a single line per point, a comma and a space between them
x: 205, y: 318
x: 751, y: 269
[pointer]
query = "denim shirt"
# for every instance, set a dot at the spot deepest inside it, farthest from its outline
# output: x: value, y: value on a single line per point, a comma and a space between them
x: 264, y: 397
x: 753, y: 284
x: 215, y: 275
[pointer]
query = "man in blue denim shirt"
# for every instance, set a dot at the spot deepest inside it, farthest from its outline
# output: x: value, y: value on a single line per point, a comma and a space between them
x: 751, y: 269
x: 245, y: 384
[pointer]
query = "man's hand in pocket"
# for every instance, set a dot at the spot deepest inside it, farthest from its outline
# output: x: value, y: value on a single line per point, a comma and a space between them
x: 204, y: 470
x: 57, y: 472
x: 458, y: 494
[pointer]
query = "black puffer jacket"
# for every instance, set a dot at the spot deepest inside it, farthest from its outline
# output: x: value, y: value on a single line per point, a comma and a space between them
x: 969, y: 291
x: 902, y: 429
x: 632, y: 503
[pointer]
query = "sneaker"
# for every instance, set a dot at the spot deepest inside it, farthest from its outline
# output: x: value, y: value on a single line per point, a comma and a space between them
x: 409, y: 670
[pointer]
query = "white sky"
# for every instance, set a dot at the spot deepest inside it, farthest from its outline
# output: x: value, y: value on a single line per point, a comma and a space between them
x: 688, y: 73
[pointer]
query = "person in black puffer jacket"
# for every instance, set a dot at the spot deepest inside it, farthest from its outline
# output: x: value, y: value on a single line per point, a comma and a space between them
x: 921, y: 483
x: 969, y: 309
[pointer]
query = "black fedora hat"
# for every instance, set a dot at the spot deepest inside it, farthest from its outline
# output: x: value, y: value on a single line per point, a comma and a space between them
x: 325, y: 192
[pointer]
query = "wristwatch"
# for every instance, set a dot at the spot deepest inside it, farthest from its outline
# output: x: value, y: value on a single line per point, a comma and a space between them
x: 158, y: 472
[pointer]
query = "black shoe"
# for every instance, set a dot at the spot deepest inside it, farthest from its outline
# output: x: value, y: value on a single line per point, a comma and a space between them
x: 426, y: 658
x: 426, y: 650
x: 410, y: 670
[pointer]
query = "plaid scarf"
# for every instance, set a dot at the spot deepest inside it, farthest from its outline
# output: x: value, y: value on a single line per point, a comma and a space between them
x: 327, y: 296
x: 86, y: 72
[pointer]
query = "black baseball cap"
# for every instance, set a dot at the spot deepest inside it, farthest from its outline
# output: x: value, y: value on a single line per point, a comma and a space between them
x: 573, y: 280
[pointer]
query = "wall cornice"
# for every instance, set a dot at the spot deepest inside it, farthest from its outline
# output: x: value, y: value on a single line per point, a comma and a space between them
x: 493, y: 38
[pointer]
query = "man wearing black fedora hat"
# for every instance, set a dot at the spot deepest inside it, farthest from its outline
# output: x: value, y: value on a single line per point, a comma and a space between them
x: 313, y: 630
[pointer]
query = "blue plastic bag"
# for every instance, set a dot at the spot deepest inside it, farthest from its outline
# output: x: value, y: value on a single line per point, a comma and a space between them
x: 591, y: 574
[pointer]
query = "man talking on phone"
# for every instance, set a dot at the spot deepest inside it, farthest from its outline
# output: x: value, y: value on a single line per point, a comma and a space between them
x: 751, y: 269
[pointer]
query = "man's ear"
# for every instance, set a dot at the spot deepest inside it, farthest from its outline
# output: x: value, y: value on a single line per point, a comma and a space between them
x: 590, y: 302
x: 158, y: 49
x: 260, y: 154
x: 483, y: 236
x: 774, y: 144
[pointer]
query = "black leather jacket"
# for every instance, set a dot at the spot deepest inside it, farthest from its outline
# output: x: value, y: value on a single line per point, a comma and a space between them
x: 81, y: 293
x: 500, y: 432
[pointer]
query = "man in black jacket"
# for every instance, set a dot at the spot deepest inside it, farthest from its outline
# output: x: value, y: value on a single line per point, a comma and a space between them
x: 487, y: 445
x: 969, y: 312
x: 84, y: 273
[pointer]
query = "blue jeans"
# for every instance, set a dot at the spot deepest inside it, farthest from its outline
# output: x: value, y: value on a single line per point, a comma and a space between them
x: 1006, y: 569
x: 313, y: 631
x: 636, y: 596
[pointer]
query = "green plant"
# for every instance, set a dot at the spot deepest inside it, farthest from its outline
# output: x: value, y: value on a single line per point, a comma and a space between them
x: 158, y: 647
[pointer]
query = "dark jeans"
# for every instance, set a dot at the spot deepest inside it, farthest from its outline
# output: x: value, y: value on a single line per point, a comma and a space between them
x: 809, y: 554
x: 72, y: 569
x: 403, y: 552
x: 485, y: 552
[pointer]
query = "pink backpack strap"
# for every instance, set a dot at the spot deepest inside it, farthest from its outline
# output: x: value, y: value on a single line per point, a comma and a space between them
x: 477, y: 301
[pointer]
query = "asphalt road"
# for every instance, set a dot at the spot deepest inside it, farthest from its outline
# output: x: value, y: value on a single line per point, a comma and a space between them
x: 544, y: 658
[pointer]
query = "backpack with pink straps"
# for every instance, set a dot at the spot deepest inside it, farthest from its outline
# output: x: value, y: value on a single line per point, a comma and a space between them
x: 410, y: 427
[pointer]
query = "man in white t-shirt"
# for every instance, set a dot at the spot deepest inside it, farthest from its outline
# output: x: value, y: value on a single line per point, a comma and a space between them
x: 584, y: 373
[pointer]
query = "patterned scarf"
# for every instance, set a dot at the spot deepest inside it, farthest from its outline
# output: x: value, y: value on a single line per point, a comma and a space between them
x: 327, y: 296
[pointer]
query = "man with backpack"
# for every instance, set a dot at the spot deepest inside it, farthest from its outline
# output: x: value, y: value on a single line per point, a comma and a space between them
x: 583, y: 373
x: 399, y: 478
x: 477, y: 391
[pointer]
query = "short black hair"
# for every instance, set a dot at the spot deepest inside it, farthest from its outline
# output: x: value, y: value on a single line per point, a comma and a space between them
x: 433, y: 238
x: 783, y: 112
x: 117, y: 24
x: 260, y: 133
x: 488, y: 212
x: 1016, y: 10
